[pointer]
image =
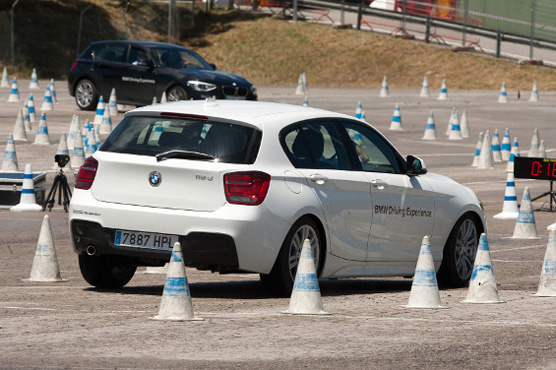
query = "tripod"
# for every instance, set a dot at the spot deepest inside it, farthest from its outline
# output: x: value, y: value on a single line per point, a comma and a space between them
x: 61, y: 185
x: 551, y: 194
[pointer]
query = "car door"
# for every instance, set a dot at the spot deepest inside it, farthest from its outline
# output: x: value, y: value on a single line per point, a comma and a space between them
x: 140, y: 78
x: 109, y: 64
x: 403, y: 206
x: 317, y: 150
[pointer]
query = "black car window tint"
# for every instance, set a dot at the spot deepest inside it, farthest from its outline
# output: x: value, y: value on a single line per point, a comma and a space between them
x: 95, y: 52
x: 113, y: 53
x: 373, y: 152
x: 137, y: 56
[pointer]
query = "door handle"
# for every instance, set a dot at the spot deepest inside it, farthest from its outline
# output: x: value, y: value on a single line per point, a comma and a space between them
x: 378, y: 183
x: 318, y: 178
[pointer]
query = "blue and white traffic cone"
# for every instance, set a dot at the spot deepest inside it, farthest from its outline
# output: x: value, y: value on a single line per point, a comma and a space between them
x: 506, y: 147
x: 478, y: 147
x: 154, y: 102
x: 430, y: 130
x: 443, y: 95
x: 100, y: 111
x: 425, y: 88
x: 535, y: 143
x: 450, y: 122
x: 384, y: 88
x: 465, y: 130
x: 482, y: 286
x: 424, y: 288
x: 26, y: 118
x: 72, y: 133
x: 91, y: 146
x: 358, y: 110
x: 547, y: 281
x: 53, y: 91
x: 97, y: 136
x: 542, y: 150
x: 485, y: 157
x: 396, y: 124
x: 34, y: 83
x: 301, y: 85
x: 305, y: 298
x: 78, y: 156
x: 14, y: 92
x: 19, y: 127
x: 306, y: 101
x: 47, y: 101
x: 503, y: 98
x: 176, y: 304
x: 27, y: 200
x: 113, y: 102
x: 5, y: 79
x: 62, y: 150
x: 42, y: 137
x: 534, y: 93
x: 496, y: 154
x: 45, y: 263
x: 163, y: 98
x: 9, y: 163
x: 455, y: 133
x: 525, y: 227
x: 106, y: 125
x: 510, y: 210
x: 31, y: 106
x: 363, y: 116
x: 513, y: 153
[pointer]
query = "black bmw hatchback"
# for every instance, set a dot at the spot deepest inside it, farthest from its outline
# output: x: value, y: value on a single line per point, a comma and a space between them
x: 140, y: 70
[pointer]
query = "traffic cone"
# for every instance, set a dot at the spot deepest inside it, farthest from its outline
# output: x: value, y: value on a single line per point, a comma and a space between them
x: 176, y: 304
x: 503, y: 98
x: 496, y: 154
x: 358, y: 110
x: 465, y: 131
x: 19, y: 127
x: 47, y: 101
x: 154, y: 102
x: 42, y: 137
x: 53, y: 91
x: 384, y: 88
x: 301, y: 85
x: 425, y: 88
x: 5, y: 79
x: 547, y: 282
x: 78, y: 156
x: 14, y: 92
x: 506, y: 148
x: 542, y: 150
x: 525, y: 227
x: 106, y: 125
x: 91, y: 146
x: 72, y: 133
x: 396, y: 124
x: 485, y: 157
x: 45, y: 264
x: 306, y: 298
x: 9, y: 163
x: 62, y: 149
x: 113, y: 102
x: 513, y: 153
x: 510, y: 210
x: 478, y: 147
x: 31, y: 106
x: 34, y: 83
x: 306, y: 101
x: 443, y: 91
x: 450, y: 122
x: 482, y: 286
x: 100, y: 111
x: 97, y: 136
x: 27, y: 201
x: 363, y: 116
x: 26, y: 118
x: 430, y: 130
x: 455, y: 133
x: 424, y: 289
x: 163, y: 99
x: 534, y: 93
x: 535, y: 143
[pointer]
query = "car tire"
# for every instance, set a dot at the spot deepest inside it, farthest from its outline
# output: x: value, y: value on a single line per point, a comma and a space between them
x: 281, y: 277
x: 459, y: 253
x: 104, y: 271
x: 176, y: 93
x: 86, y: 95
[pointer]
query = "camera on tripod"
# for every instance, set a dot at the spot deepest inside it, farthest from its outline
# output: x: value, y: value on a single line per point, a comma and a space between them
x: 61, y: 159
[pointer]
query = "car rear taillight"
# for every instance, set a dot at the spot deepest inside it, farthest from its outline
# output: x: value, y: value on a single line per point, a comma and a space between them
x: 73, y: 65
x: 86, y: 174
x: 247, y: 188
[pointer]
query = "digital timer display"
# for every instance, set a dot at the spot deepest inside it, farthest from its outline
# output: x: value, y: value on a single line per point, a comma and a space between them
x: 535, y: 168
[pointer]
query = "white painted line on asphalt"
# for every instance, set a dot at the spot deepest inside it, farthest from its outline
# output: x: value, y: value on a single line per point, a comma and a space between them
x: 505, y: 261
x: 490, y: 182
x: 520, y: 248
x: 476, y: 322
x: 28, y: 308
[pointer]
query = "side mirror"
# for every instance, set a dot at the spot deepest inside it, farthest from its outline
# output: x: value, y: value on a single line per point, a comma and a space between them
x: 145, y: 63
x: 212, y: 65
x: 415, y: 166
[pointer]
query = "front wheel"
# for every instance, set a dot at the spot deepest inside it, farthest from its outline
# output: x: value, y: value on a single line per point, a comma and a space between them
x: 459, y: 253
x: 105, y: 271
x: 281, y: 278
x: 86, y: 95
x: 176, y: 93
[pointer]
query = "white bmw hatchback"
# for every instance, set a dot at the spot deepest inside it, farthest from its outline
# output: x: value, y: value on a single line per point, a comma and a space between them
x: 242, y: 184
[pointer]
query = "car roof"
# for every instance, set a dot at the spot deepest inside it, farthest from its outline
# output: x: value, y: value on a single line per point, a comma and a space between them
x: 253, y: 112
x: 143, y: 43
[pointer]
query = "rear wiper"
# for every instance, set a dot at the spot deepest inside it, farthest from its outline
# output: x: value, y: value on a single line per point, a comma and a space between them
x: 183, y: 154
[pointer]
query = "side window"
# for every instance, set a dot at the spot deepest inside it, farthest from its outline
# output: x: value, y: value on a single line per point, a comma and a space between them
x: 374, y: 154
x: 112, y: 53
x: 316, y: 145
x: 137, y: 57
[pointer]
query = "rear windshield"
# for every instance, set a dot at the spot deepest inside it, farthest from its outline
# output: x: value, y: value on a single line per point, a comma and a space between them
x: 153, y: 135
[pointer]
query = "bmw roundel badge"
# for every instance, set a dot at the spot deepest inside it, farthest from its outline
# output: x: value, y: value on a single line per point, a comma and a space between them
x: 155, y: 178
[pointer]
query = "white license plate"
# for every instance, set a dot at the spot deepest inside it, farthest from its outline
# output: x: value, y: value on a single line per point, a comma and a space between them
x: 232, y: 97
x: 125, y: 238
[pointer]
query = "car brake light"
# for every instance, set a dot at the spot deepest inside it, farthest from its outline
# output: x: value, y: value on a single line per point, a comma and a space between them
x: 246, y: 188
x: 86, y: 174
x: 73, y: 65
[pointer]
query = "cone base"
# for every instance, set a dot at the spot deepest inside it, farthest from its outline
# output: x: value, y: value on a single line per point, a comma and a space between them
x: 425, y: 307
x: 26, y: 207
x: 321, y: 313
x: 482, y: 302
x: 506, y: 216
x: 45, y: 280
x: 172, y: 318
x: 524, y: 237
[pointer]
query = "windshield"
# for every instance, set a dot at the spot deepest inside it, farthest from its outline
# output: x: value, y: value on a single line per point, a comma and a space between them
x: 154, y: 135
x: 179, y: 58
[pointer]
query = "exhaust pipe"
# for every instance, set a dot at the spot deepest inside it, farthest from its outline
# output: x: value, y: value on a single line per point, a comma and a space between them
x: 91, y: 250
